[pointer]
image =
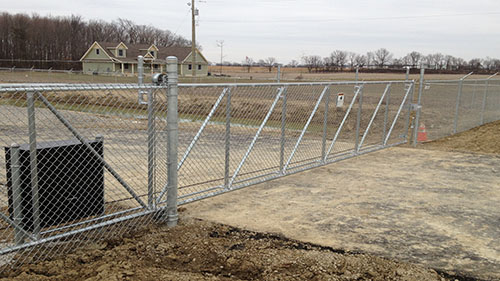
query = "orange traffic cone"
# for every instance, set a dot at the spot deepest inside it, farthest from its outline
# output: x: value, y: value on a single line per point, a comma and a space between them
x: 422, y: 133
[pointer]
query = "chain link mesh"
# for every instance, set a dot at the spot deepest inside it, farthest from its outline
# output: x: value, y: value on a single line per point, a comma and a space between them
x: 86, y: 162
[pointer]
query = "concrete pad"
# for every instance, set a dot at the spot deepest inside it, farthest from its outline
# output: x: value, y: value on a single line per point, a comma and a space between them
x: 438, y: 209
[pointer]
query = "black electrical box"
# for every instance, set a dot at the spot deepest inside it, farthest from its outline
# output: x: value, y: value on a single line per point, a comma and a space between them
x: 70, y: 182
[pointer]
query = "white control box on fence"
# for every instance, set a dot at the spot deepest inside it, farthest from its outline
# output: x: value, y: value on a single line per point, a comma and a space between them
x: 340, y: 100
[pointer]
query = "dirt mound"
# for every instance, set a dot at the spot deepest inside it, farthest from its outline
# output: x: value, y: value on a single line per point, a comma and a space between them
x: 199, y: 250
x: 483, y: 139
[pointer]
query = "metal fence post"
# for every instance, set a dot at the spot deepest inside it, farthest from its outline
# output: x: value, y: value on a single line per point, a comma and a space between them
x: 283, y: 132
x: 419, y: 106
x: 358, y: 121
x: 356, y: 77
x: 140, y: 70
x: 173, y: 137
x: 325, y: 125
x: 33, y: 163
x: 151, y: 150
x: 386, y: 115
x: 16, y: 193
x: 457, y: 106
x: 227, y: 140
x: 278, y: 77
x: 485, y: 97
x: 407, y: 77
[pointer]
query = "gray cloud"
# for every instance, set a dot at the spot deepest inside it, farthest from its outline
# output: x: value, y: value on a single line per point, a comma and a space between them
x: 288, y: 29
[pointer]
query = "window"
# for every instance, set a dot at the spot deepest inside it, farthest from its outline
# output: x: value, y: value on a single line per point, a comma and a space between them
x: 156, y: 66
x: 152, y: 53
x: 120, y: 53
x: 125, y: 66
x: 97, y: 51
x: 199, y: 66
x: 190, y: 67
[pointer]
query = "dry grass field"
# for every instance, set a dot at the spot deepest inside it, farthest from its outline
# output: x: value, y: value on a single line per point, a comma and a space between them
x: 234, y: 75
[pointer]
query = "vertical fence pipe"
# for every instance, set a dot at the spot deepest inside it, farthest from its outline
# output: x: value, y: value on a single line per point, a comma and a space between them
x: 304, y: 130
x: 386, y: 115
x: 457, y: 105
x: 374, y: 115
x: 227, y: 140
x: 283, y: 132
x: 358, y: 121
x: 483, y: 105
x: 33, y: 163
x: 16, y: 193
x: 346, y: 115
x: 419, y: 106
x: 485, y: 97
x: 407, y: 77
x: 151, y: 150
x: 140, y: 70
x: 325, y: 125
x: 173, y: 138
x: 357, y: 74
x: 278, y: 77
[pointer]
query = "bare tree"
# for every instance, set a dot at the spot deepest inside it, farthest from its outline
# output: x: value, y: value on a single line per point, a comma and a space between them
x: 293, y: 63
x: 352, y: 59
x: 339, y: 57
x: 360, y: 60
x: 414, y: 58
x: 370, y: 56
x: 248, y: 63
x: 382, y: 57
x: 270, y: 63
x: 312, y: 62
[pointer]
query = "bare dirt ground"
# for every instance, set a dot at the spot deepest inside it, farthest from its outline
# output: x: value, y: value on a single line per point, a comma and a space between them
x: 484, y: 139
x: 199, y: 250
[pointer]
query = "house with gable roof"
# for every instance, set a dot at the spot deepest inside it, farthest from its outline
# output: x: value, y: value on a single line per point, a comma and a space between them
x: 112, y: 57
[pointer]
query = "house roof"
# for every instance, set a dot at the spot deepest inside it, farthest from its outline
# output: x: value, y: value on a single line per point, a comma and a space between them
x: 135, y: 50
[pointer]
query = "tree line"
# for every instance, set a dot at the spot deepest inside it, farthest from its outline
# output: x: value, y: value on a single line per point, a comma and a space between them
x: 381, y: 60
x: 59, y: 42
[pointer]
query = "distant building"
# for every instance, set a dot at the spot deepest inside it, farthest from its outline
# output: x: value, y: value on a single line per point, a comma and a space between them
x: 115, y: 57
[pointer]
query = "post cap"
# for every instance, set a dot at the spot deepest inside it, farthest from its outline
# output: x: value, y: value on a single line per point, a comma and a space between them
x: 14, y: 145
x: 171, y: 59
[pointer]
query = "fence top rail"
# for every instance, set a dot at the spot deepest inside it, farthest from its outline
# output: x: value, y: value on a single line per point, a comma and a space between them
x: 75, y: 87
x: 458, y: 80
x: 326, y: 83
x: 79, y: 87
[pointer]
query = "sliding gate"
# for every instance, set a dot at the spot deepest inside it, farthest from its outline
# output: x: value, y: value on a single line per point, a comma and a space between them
x: 236, y: 135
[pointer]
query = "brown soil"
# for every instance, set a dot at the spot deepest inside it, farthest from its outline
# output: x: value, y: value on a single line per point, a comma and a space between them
x: 484, y: 139
x: 199, y: 250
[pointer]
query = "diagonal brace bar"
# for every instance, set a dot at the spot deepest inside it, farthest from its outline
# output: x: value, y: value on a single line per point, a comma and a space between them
x: 276, y: 99
x: 360, y: 88
x: 387, y: 89
x: 305, y: 128
x: 202, y: 128
x: 398, y: 113
x: 91, y: 149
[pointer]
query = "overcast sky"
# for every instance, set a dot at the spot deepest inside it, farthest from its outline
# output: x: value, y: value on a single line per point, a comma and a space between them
x: 289, y: 29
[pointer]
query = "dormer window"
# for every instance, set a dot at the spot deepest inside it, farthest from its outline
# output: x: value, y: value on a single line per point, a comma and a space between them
x: 152, y: 53
x: 97, y: 51
x: 120, y: 53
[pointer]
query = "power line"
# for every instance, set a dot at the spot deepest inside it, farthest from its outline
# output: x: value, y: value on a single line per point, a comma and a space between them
x: 298, y: 20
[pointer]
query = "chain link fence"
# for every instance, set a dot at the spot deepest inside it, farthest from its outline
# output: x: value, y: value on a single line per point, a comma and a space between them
x: 454, y: 106
x: 87, y: 162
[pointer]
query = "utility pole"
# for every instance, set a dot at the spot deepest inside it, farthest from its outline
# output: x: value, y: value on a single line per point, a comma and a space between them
x: 193, y: 39
x: 220, y: 44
